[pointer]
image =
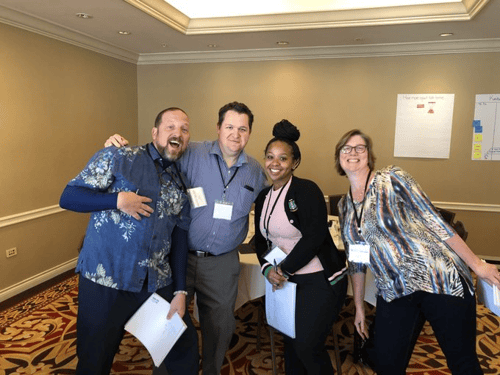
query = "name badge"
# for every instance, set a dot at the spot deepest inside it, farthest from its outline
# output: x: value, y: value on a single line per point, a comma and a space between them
x: 359, y: 253
x: 197, y: 197
x: 223, y: 210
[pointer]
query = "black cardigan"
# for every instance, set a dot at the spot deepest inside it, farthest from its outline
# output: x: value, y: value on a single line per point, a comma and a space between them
x: 305, y: 208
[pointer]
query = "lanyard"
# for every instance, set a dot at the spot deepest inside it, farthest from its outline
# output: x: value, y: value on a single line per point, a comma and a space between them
x: 222, y: 177
x: 159, y: 172
x: 177, y: 181
x: 266, y: 227
x: 358, y: 219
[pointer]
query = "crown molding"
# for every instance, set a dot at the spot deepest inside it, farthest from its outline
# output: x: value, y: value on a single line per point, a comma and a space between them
x: 44, y: 28
x: 329, y: 52
x: 163, y: 12
x: 35, y: 25
x: 463, y: 10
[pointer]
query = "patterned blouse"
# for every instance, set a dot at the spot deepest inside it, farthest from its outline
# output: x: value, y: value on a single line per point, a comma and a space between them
x: 119, y: 251
x: 407, y: 238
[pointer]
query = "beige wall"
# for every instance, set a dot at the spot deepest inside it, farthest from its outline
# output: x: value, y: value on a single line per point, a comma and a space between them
x: 58, y: 103
x: 327, y: 97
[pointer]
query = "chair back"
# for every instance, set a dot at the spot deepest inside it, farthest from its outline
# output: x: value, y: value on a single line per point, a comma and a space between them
x: 458, y: 226
x: 333, y: 201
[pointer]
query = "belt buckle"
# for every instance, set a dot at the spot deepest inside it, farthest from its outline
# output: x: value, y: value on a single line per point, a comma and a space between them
x: 201, y: 254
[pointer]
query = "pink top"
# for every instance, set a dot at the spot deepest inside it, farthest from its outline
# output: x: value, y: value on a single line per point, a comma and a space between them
x: 281, y: 232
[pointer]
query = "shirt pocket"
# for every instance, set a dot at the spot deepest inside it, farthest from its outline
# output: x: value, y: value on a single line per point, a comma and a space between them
x: 244, y: 203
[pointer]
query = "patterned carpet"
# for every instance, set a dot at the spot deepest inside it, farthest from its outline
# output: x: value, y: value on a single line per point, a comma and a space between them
x: 37, y: 336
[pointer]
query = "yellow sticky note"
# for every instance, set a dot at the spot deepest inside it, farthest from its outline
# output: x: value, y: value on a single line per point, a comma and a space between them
x: 477, y: 147
x: 477, y: 155
x: 478, y: 137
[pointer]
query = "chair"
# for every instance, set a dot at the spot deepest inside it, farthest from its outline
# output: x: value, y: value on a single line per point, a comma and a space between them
x: 333, y: 201
x: 458, y: 226
x: 460, y: 229
x: 448, y: 216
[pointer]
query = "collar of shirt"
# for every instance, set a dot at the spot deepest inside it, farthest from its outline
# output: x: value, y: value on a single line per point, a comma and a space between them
x: 242, y: 158
x: 155, y: 155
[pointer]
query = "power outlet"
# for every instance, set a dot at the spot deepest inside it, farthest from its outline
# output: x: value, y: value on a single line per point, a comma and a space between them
x: 11, y: 252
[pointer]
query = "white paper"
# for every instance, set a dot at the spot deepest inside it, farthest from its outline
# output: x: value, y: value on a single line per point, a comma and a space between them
x: 275, y: 255
x: 423, y: 125
x: 280, y: 307
x: 150, y: 325
x: 485, y: 145
x: 488, y: 295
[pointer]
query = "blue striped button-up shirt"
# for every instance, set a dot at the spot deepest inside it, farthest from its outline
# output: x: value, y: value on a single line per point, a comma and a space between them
x: 201, y: 164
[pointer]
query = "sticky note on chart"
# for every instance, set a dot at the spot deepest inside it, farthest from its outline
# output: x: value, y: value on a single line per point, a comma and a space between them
x: 477, y: 155
x: 477, y: 126
x: 477, y: 147
x: 478, y: 137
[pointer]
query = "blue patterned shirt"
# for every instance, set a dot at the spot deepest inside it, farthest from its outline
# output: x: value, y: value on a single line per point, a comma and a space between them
x: 407, y: 237
x: 119, y: 251
x: 199, y: 163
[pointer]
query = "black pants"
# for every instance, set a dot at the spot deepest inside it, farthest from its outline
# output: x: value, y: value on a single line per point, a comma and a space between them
x: 398, y: 324
x: 317, y: 307
x: 102, y: 315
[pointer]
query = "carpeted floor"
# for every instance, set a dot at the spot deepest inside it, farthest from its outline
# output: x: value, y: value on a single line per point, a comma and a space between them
x: 37, y: 336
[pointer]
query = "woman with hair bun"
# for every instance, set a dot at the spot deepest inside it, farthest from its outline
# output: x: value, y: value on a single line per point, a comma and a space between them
x: 292, y: 215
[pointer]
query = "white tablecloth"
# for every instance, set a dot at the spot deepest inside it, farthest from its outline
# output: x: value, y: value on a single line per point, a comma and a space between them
x: 251, y: 284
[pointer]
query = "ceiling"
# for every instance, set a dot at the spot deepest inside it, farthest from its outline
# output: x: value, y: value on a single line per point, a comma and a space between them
x: 161, y: 34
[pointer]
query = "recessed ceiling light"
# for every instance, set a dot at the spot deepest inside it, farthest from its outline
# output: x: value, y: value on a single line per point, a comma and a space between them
x: 83, y: 15
x: 124, y: 32
x: 446, y: 34
x: 282, y: 43
x: 164, y: 45
x: 212, y: 46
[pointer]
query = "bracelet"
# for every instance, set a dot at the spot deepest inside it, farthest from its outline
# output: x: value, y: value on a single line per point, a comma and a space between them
x: 180, y: 292
x: 267, y: 270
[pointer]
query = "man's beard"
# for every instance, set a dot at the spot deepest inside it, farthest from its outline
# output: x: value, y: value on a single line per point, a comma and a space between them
x: 171, y: 157
x: 166, y: 154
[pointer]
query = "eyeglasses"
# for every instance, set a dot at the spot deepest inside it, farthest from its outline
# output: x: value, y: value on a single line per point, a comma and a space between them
x: 359, y: 149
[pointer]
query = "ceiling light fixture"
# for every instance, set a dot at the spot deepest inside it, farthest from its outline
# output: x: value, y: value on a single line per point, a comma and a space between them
x: 212, y: 45
x: 446, y: 34
x: 83, y: 15
x: 282, y: 43
x: 164, y: 45
x: 124, y: 32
